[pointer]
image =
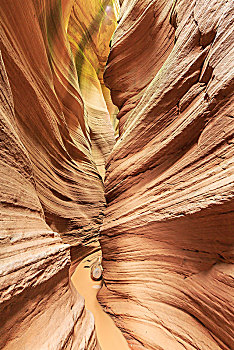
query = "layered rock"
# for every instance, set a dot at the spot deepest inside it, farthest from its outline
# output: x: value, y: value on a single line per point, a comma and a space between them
x: 51, y: 118
x: 50, y: 182
x: 90, y: 28
x: 38, y: 309
x: 167, y: 237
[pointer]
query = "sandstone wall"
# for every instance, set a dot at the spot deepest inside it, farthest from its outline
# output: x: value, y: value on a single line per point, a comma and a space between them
x: 167, y: 237
x: 38, y: 309
x: 51, y: 118
x: 50, y: 186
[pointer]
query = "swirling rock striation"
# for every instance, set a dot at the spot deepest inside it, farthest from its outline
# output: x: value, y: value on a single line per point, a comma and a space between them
x: 51, y: 117
x: 51, y: 186
x: 90, y: 28
x: 38, y: 309
x: 167, y: 237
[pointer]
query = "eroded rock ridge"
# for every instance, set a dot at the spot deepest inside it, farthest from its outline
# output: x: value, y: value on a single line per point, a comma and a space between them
x: 167, y: 237
x: 54, y: 144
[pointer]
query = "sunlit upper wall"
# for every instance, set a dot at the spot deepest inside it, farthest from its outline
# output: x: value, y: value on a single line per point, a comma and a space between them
x: 90, y: 28
x: 61, y: 115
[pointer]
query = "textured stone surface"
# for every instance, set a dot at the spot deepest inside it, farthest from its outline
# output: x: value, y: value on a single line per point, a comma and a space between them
x: 167, y: 237
x: 50, y: 186
x: 89, y: 32
x: 51, y: 118
x: 38, y: 309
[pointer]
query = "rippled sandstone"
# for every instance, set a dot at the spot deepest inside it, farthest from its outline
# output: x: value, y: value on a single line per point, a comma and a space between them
x: 52, y: 196
x: 167, y: 237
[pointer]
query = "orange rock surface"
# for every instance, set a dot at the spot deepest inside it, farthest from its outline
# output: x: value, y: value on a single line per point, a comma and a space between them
x: 167, y: 237
x: 50, y: 114
x: 38, y: 309
x: 51, y: 182
x: 167, y: 199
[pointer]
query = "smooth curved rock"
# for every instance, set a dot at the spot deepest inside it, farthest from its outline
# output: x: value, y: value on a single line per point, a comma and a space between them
x: 38, y: 309
x: 167, y: 237
x: 90, y: 28
x: 50, y: 182
x: 51, y: 117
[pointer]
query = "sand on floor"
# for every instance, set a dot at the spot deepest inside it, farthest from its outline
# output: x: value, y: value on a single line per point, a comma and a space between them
x: 109, y: 336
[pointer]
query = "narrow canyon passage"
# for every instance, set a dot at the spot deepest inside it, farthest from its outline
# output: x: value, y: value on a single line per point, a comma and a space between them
x: 116, y: 149
x: 108, y: 335
x: 58, y: 126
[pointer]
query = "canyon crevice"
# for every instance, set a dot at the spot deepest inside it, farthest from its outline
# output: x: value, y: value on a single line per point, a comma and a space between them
x: 167, y: 236
x: 123, y: 141
x: 54, y: 143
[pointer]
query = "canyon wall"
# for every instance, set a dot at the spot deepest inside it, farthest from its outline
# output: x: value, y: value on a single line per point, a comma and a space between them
x: 51, y: 118
x: 38, y: 309
x: 52, y: 158
x: 167, y: 237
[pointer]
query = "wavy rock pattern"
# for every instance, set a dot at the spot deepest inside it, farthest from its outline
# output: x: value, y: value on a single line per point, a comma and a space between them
x: 50, y: 181
x: 89, y: 36
x: 38, y: 309
x: 51, y: 116
x: 167, y: 237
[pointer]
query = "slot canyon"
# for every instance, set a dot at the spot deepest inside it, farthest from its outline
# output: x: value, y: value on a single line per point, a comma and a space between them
x: 117, y: 176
